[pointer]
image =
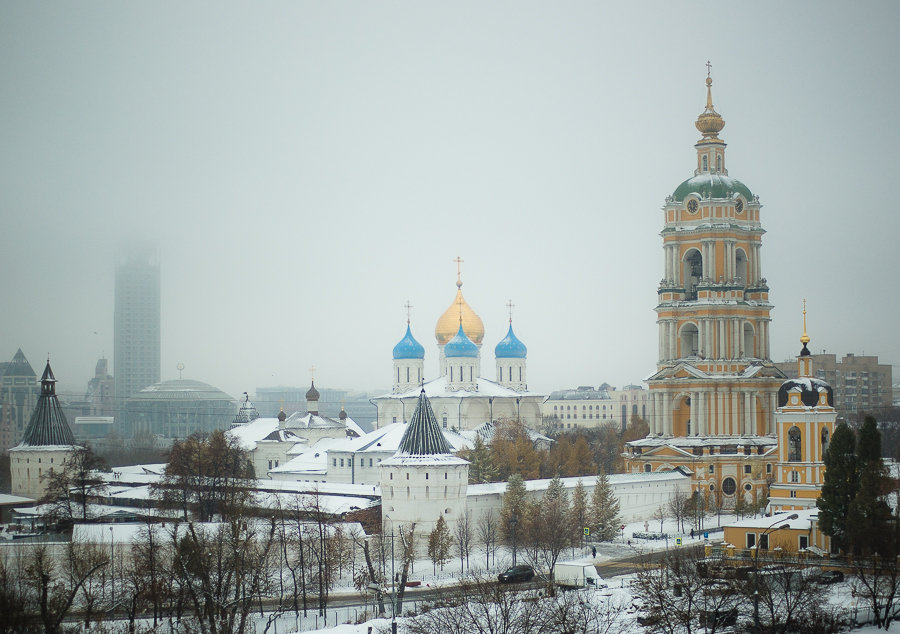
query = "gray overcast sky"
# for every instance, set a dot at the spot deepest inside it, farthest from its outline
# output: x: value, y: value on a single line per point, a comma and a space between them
x: 308, y: 167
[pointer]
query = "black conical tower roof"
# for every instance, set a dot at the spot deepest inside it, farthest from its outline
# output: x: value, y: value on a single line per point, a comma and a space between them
x: 423, y: 436
x: 48, y: 425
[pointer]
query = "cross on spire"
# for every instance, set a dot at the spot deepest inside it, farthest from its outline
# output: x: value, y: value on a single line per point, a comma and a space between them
x: 312, y: 372
x: 407, y: 306
x: 509, y: 307
x: 459, y: 262
x: 708, y: 68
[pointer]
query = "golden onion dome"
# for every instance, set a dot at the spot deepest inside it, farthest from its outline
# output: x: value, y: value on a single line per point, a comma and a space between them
x: 448, y: 324
x: 710, y: 122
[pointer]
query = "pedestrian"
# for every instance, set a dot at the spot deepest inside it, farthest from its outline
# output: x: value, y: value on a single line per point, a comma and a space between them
x: 594, y: 552
x: 692, y: 533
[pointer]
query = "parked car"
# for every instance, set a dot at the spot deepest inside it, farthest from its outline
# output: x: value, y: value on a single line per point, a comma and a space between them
x: 517, y: 573
x: 830, y: 576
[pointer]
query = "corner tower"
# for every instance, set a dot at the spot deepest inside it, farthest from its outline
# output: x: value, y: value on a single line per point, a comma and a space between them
x: 714, y: 376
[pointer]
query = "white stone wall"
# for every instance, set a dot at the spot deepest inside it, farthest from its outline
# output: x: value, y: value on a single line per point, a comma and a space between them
x: 422, y: 493
x: 639, y: 494
x: 27, y: 466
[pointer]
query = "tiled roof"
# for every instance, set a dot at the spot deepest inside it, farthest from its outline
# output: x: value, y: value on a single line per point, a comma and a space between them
x: 423, y: 436
x: 48, y: 424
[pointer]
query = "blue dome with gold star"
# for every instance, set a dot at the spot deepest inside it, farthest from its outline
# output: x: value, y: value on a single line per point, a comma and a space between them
x: 460, y: 346
x: 408, y: 347
x: 510, y: 347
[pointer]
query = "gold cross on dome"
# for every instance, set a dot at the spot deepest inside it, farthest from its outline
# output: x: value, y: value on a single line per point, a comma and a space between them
x: 312, y: 372
x: 407, y: 306
x: 509, y: 307
x: 459, y: 262
x: 708, y: 68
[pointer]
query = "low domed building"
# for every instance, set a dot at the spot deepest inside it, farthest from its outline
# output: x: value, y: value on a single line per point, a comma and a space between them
x: 177, y: 409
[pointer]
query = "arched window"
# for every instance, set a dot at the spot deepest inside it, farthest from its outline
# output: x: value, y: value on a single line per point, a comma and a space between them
x: 689, y: 340
x: 718, y: 162
x: 740, y: 268
x: 705, y: 163
x: 794, y: 445
x: 824, y: 441
x: 692, y: 273
x: 749, y: 348
x: 647, y: 468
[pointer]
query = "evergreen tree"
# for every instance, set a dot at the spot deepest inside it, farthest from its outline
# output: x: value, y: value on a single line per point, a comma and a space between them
x: 840, y: 486
x: 513, y: 510
x: 868, y: 527
x: 553, y: 515
x: 580, y: 512
x: 482, y: 468
x: 604, y: 509
x: 439, y: 542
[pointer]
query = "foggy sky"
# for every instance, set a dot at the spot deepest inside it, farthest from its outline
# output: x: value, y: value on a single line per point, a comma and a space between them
x: 307, y: 168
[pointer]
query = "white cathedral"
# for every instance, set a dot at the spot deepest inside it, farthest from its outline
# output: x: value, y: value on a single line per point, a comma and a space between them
x: 462, y: 399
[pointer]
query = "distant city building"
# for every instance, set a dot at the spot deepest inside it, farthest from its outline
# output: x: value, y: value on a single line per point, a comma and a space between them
x: 177, y: 409
x: 586, y: 407
x: 46, y: 443
x: 100, y: 395
x: 137, y: 329
x: 19, y: 391
x: 860, y: 383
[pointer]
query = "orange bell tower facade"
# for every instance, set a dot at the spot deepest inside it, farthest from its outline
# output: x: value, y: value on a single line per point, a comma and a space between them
x: 714, y: 375
x: 714, y: 390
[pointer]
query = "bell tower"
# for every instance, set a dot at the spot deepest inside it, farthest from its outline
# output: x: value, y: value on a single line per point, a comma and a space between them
x: 714, y: 376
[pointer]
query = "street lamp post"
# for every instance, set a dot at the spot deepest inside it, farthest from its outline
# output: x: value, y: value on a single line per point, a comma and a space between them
x: 112, y: 565
x: 772, y: 528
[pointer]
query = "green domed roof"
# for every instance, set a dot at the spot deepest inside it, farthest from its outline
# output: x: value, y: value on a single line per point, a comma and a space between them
x: 710, y: 185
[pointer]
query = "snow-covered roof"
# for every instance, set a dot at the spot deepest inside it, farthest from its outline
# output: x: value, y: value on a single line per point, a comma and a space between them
x: 615, y: 479
x: 439, y: 388
x: 779, y: 519
x: 6, y: 499
x: 261, y: 429
x: 704, y: 441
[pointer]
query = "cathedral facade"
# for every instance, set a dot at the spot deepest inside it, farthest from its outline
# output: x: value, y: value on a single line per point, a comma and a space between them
x: 461, y: 397
x: 713, y: 395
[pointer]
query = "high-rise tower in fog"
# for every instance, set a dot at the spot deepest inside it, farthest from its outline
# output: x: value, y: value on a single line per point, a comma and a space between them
x: 137, y: 316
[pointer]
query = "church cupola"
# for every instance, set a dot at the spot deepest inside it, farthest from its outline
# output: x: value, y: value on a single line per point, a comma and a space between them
x: 461, y: 356
x: 710, y: 149
x: 312, y: 399
x: 510, y: 355
x: 409, y: 361
x: 458, y: 312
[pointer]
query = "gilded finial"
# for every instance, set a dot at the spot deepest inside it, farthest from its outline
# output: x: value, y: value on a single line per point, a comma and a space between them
x: 459, y: 262
x: 804, y: 339
x: 312, y: 372
x: 710, y: 122
x: 509, y: 307
x: 407, y: 306
x: 460, y: 304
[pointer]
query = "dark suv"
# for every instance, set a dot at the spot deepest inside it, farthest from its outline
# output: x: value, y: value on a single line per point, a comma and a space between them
x: 517, y: 573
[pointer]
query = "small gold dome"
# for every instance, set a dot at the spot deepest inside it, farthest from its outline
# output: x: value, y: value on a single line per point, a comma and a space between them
x: 710, y: 122
x: 448, y: 324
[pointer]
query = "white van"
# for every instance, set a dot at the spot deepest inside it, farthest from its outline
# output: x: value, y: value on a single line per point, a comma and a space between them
x: 577, y: 574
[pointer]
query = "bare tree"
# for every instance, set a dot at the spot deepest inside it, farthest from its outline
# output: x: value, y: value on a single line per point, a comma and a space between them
x: 679, y: 508
x: 55, y: 584
x: 68, y: 490
x: 463, y: 533
x: 223, y: 570
x: 488, y: 534
x: 408, y: 540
